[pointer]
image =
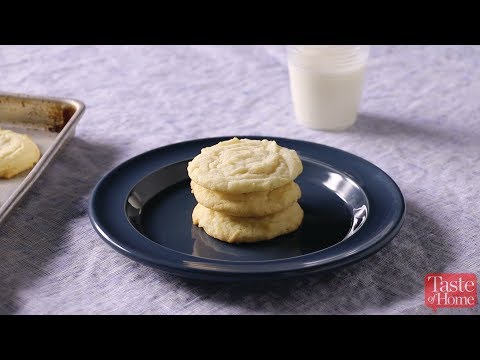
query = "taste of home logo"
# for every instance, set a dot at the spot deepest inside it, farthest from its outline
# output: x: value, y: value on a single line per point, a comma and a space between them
x: 450, y: 290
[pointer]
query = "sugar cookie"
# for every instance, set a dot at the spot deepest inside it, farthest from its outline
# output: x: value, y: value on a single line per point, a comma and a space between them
x: 235, y: 229
x: 253, y: 204
x: 17, y: 153
x: 242, y: 166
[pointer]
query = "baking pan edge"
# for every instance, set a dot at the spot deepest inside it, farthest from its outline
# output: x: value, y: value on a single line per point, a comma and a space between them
x: 63, y: 136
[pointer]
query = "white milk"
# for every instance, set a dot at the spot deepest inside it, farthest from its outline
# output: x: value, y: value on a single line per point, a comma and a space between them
x: 326, y: 83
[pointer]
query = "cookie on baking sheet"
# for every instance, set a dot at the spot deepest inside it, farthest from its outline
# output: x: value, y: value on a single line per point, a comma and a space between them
x: 253, y: 204
x: 234, y: 229
x: 242, y: 166
x: 17, y: 153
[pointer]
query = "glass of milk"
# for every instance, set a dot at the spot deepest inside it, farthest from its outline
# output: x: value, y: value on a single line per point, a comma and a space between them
x: 326, y: 83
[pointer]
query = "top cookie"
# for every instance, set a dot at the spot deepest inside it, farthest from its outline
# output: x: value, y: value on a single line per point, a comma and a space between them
x: 243, y: 166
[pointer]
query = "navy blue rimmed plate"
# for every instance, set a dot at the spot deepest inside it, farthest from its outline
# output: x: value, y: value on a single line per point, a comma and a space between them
x: 143, y: 209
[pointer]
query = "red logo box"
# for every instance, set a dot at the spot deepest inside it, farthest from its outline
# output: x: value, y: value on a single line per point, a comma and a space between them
x: 450, y: 291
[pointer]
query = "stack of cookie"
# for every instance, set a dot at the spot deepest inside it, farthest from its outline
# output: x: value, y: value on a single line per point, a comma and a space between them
x: 246, y: 191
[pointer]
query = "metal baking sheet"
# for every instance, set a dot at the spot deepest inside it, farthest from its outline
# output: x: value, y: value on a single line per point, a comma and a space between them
x: 50, y: 122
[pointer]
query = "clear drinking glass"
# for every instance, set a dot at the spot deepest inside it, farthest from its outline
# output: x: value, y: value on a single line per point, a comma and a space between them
x: 326, y: 83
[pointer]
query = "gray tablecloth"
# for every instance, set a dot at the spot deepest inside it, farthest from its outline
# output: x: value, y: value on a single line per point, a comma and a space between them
x: 420, y: 122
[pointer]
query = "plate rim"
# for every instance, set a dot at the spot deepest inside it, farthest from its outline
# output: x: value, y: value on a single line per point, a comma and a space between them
x: 222, y: 274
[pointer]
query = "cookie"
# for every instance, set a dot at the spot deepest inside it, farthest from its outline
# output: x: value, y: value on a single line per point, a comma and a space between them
x: 253, y: 204
x: 234, y: 229
x: 17, y: 153
x: 243, y: 166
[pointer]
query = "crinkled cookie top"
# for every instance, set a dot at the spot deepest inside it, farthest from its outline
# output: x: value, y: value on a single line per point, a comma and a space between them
x: 243, y: 166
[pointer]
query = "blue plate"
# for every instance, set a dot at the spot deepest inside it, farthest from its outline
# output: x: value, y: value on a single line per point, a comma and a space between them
x: 143, y: 209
